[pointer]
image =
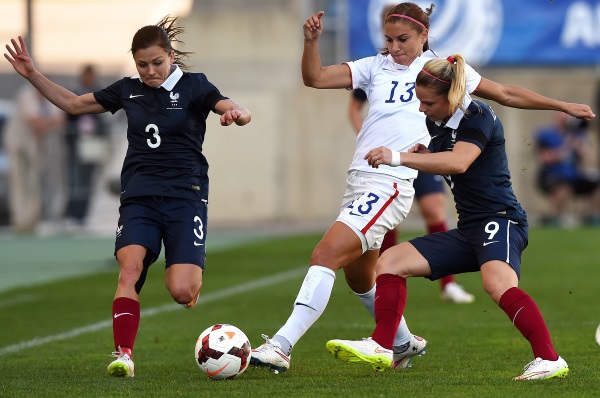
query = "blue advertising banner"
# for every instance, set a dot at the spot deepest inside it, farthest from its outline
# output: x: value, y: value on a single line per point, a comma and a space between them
x: 493, y: 32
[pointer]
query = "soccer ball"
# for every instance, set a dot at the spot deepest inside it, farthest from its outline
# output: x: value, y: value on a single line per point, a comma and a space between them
x: 223, y: 351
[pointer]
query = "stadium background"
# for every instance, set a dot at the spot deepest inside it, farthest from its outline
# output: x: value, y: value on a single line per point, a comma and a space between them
x: 284, y: 170
x: 288, y: 166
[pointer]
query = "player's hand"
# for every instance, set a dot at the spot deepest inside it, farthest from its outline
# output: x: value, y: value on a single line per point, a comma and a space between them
x: 313, y: 27
x: 19, y: 58
x: 239, y: 116
x: 419, y: 148
x: 379, y: 156
x: 580, y: 111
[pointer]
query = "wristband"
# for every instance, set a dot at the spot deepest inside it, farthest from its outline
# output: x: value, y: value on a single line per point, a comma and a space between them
x: 395, y: 159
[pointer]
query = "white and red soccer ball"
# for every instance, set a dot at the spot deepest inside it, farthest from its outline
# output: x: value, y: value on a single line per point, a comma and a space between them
x: 223, y: 351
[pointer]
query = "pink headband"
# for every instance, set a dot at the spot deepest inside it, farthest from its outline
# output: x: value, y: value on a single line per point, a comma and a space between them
x: 435, y: 77
x: 407, y: 17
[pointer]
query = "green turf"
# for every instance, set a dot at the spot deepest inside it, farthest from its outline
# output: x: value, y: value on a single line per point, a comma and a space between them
x: 56, y: 337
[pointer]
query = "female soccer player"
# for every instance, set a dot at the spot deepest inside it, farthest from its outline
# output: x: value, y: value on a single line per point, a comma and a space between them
x: 468, y: 145
x: 164, y: 180
x: 431, y: 198
x: 377, y: 200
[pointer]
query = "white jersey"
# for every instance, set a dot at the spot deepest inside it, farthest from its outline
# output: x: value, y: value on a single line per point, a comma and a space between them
x: 393, y: 120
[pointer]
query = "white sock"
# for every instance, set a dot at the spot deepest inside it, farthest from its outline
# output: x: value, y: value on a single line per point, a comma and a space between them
x: 403, y: 335
x: 308, y: 306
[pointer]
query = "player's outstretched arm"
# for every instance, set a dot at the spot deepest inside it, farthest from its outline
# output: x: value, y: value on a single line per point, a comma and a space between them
x: 518, y: 97
x: 19, y: 58
x: 314, y: 74
x: 64, y: 99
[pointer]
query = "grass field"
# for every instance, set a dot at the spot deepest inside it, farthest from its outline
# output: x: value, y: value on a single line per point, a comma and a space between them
x: 55, y: 336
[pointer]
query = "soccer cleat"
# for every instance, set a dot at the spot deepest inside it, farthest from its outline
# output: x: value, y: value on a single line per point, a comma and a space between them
x: 123, y: 365
x: 455, y: 293
x: 366, y: 351
x: 543, y: 369
x: 403, y: 355
x: 270, y: 355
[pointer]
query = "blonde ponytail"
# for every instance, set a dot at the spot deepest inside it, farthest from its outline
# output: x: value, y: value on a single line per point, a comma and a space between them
x: 446, y: 77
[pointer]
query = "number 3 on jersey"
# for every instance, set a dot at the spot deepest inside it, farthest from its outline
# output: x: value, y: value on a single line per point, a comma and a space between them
x: 154, y: 129
x: 363, y: 205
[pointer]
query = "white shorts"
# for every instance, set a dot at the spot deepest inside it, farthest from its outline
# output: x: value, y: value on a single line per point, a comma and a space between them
x: 374, y: 204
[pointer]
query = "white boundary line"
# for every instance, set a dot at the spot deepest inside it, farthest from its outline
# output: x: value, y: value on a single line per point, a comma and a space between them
x: 207, y: 298
x: 24, y: 298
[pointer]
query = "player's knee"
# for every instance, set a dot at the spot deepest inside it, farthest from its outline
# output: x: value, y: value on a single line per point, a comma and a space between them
x: 183, y: 294
x: 386, y: 264
x: 323, y: 256
x: 129, y: 273
x: 496, y: 289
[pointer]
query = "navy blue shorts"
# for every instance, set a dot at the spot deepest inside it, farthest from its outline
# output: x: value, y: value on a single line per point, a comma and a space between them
x: 179, y: 224
x: 458, y: 251
x: 426, y: 183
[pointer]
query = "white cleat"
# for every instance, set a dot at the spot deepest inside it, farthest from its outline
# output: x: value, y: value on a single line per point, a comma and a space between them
x: 543, y: 369
x: 403, y: 356
x: 122, y: 366
x: 366, y: 351
x: 270, y: 355
x: 455, y: 293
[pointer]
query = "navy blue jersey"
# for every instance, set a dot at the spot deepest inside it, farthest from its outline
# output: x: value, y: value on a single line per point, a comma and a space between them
x: 165, y: 132
x: 485, y: 188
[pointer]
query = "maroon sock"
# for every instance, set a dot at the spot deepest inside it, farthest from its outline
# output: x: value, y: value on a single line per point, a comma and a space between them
x: 126, y: 320
x: 389, y: 240
x: 390, y: 300
x: 439, y: 227
x: 526, y: 316
x: 447, y: 279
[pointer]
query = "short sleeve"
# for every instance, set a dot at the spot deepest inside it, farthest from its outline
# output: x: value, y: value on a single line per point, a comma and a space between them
x: 473, y: 135
x: 473, y: 78
x: 110, y: 97
x: 361, y: 72
x: 207, y: 95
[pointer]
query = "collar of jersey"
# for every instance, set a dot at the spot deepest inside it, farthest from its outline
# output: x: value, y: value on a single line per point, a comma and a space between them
x: 458, y: 115
x: 171, y: 81
x: 426, y: 56
x: 394, y: 65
